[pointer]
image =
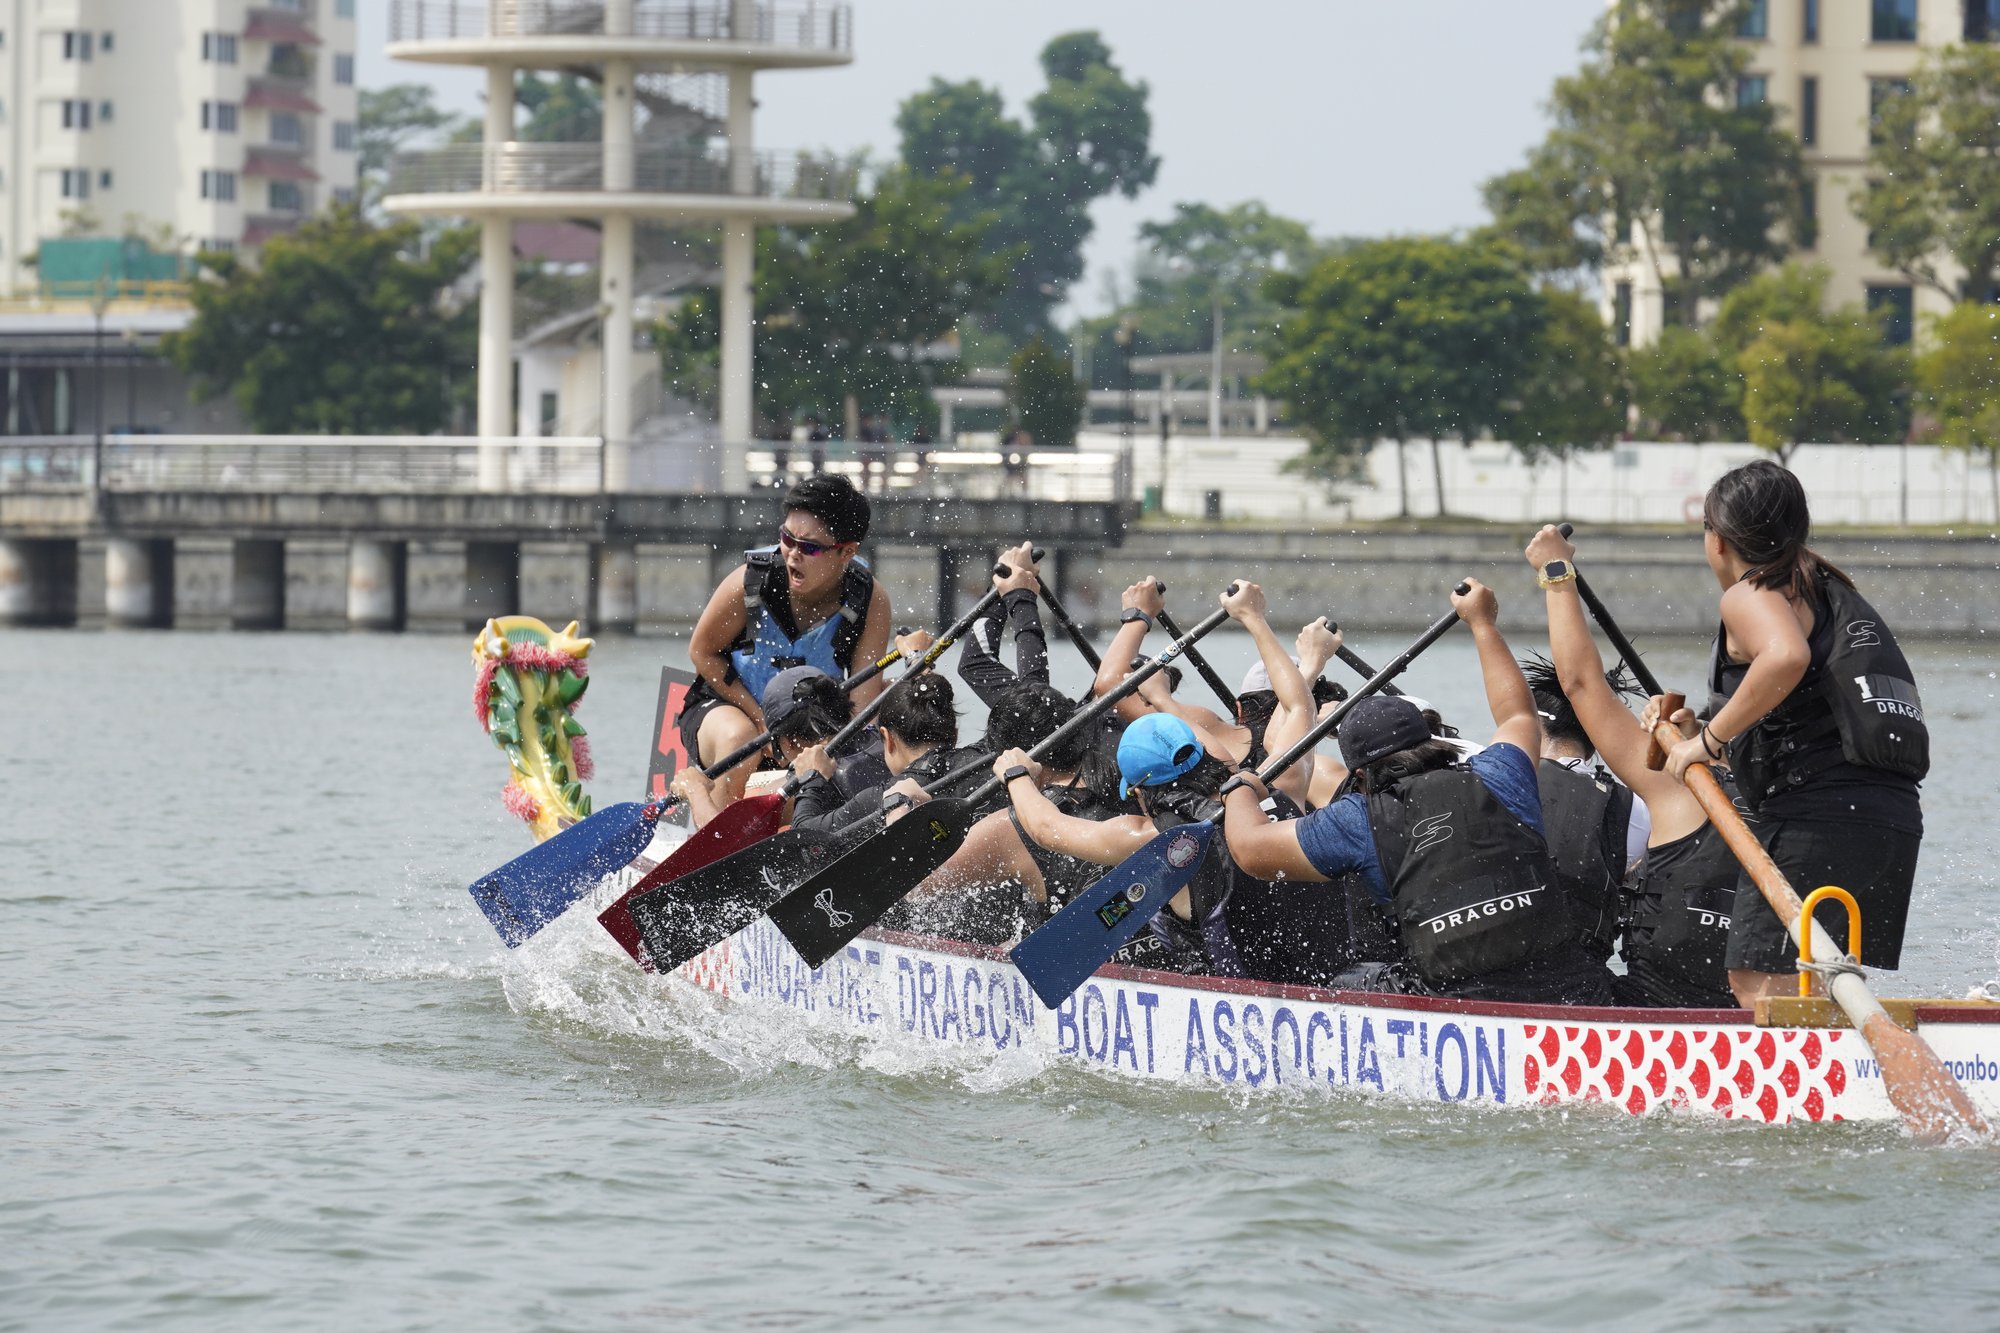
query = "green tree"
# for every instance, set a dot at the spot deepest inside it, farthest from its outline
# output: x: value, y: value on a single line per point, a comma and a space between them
x: 562, y: 108
x: 1685, y: 388
x: 340, y: 328
x: 391, y: 119
x: 1086, y: 136
x: 1958, y: 383
x: 1044, y: 396
x: 1410, y: 338
x: 852, y: 308
x: 1933, y: 188
x: 1653, y: 158
x: 1574, y: 392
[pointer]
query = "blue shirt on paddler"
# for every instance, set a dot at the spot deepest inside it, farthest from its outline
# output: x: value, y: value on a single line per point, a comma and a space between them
x: 1337, y: 839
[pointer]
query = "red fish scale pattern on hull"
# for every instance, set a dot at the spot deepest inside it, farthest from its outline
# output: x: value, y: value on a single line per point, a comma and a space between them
x: 1741, y: 1073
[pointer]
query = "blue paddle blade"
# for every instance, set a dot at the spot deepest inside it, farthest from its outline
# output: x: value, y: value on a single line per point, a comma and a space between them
x: 1081, y: 938
x: 539, y: 885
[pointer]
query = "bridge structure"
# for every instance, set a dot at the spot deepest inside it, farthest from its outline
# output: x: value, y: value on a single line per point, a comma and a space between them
x: 386, y: 534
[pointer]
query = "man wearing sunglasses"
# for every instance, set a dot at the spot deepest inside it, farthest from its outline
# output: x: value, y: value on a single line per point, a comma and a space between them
x: 806, y: 600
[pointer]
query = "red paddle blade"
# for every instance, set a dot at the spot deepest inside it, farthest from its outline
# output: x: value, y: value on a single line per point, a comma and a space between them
x: 749, y: 820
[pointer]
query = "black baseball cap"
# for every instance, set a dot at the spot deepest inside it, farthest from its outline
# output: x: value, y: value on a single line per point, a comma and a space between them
x: 1378, y: 727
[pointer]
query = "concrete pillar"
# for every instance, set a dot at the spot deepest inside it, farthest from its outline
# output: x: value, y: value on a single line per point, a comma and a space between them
x: 615, y: 588
x: 139, y: 582
x: 496, y: 294
x: 492, y: 581
x: 37, y: 582
x: 738, y: 276
x: 617, y: 20
x: 376, y: 599
x: 257, y: 585
x: 615, y: 265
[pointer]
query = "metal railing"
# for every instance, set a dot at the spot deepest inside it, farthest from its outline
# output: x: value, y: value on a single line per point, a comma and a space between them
x: 539, y: 168
x: 359, y: 463
x: 809, y: 25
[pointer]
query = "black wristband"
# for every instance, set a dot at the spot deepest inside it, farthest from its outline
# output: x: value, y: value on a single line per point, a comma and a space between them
x: 1014, y: 774
x: 1132, y: 613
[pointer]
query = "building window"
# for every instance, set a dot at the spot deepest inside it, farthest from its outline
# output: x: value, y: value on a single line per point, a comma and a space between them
x: 286, y: 197
x: 343, y: 9
x: 219, y: 186
x: 104, y: 42
x: 1809, y: 111
x: 1982, y: 20
x: 342, y: 195
x: 220, y: 245
x: 1879, y: 93
x: 1756, y: 21
x: 218, y: 48
x: 103, y: 180
x: 287, y: 128
x: 1621, y: 314
x: 1894, y: 305
x: 1750, y: 90
x: 344, y: 135
x: 1895, y: 21
x: 1809, y: 213
x: 219, y: 117
x: 1811, y: 33
x: 75, y: 114
x: 75, y: 183
x: 76, y: 46
x: 343, y: 70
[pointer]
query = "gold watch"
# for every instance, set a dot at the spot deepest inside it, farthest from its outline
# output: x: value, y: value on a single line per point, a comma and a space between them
x: 1554, y: 572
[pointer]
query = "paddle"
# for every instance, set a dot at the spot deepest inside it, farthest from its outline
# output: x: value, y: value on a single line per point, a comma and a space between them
x: 1208, y: 673
x: 1918, y: 1084
x: 736, y: 826
x: 728, y: 891
x: 840, y: 901
x: 1353, y: 660
x: 1082, y: 937
x: 1069, y: 627
x: 1647, y: 681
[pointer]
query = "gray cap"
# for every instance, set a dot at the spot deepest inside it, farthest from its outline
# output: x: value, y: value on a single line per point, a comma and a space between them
x: 781, y: 695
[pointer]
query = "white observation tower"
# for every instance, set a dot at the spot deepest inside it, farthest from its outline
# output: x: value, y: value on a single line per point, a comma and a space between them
x: 616, y: 180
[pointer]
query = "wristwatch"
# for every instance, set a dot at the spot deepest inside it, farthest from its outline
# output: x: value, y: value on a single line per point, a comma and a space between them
x: 1015, y: 773
x: 1556, y: 571
x: 1132, y: 613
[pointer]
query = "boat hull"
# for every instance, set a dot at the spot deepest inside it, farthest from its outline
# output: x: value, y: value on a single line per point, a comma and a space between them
x: 1231, y: 1033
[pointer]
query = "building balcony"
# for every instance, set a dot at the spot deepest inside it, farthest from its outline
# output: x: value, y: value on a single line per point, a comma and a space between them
x: 568, y: 179
x: 272, y: 94
x: 278, y: 162
x: 537, y: 33
x: 266, y: 24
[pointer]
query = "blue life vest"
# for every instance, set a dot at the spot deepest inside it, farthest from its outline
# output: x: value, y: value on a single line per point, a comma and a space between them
x: 768, y: 647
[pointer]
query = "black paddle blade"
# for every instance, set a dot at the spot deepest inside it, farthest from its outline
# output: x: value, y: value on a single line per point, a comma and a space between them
x: 679, y: 920
x: 823, y: 914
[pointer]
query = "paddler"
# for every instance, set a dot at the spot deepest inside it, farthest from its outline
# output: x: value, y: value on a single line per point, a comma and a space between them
x: 806, y: 600
x: 1816, y: 710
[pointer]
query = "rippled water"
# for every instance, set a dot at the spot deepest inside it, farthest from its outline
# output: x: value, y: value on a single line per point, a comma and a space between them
x: 265, y: 1066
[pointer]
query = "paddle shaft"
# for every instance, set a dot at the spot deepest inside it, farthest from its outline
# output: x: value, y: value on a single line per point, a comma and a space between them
x: 1931, y: 1100
x: 763, y: 738
x: 1361, y: 668
x: 1647, y: 681
x: 1069, y: 627
x: 1208, y: 673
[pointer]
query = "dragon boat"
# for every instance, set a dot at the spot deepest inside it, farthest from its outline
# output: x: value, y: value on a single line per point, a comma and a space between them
x: 1795, y: 1059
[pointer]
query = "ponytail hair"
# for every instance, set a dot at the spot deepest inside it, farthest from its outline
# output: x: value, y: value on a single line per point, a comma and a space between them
x: 921, y: 712
x: 1759, y: 510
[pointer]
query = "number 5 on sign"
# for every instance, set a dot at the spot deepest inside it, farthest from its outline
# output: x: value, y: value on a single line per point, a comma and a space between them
x: 670, y: 756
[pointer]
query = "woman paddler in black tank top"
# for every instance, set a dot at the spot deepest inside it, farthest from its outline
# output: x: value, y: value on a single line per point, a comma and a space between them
x: 1817, y: 711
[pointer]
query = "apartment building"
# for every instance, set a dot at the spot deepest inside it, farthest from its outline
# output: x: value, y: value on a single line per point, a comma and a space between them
x: 1825, y: 65
x: 226, y: 121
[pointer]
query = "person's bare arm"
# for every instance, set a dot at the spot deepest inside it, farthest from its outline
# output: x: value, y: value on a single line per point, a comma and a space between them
x: 873, y: 644
x: 1515, y: 721
x: 1263, y: 847
x: 1296, y: 712
x: 720, y: 626
x: 1101, y: 842
x: 991, y: 853
x: 1764, y: 631
x: 1125, y: 645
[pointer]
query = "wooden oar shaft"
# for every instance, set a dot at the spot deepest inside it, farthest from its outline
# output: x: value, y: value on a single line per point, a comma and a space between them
x: 1931, y: 1100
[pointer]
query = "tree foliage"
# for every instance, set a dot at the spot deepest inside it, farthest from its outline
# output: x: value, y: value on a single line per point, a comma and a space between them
x: 1408, y: 338
x: 1809, y: 374
x: 1958, y: 382
x: 341, y: 328
x: 392, y: 119
x: 1933, y: 188
x: 852, y: 307
x: 562, y: 108
x: 1686, y: 388
x: 1086, y: 136
x: 1574, y: 393
x: 1044, y: 397
x: 1653, y: 159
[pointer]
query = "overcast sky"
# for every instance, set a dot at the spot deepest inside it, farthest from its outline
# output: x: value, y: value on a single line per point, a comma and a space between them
x: 1358, y: 117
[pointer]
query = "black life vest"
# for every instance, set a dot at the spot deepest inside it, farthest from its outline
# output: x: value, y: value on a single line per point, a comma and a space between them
x: 1472, y: 887
x: 1677, y: 931
x: 1202, y: 944
x: 1857, y: 703
x: 1584, y: 818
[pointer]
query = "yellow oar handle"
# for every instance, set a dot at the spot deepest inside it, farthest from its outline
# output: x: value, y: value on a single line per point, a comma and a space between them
x: 1814, y: 899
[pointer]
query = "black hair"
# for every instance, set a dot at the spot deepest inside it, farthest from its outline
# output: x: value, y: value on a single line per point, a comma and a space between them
x: 832, y: 499
x: 1254, y: 710
x: 1192, y: 793
x: 921, y: 712
x: 1029, y: 714
x: 1423, y: 757
x: 1558, y: 715
x: 822, y: 711
x: 1760, y: 511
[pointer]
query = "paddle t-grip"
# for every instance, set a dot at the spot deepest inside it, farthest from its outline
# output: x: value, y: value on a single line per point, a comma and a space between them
x: 1003, y: 570
x: 1565, y: 529
x: 1656, y: 758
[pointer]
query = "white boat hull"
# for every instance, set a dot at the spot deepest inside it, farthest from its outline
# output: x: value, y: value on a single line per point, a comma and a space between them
x: 1225, y: 1032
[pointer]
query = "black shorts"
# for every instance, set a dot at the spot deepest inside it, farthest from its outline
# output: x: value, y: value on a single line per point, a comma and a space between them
x: 1877, y: 865
x: 690, y: 722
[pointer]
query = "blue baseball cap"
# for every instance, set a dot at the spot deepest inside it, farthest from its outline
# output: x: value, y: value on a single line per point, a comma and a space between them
x: 1157, y: 748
